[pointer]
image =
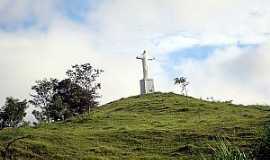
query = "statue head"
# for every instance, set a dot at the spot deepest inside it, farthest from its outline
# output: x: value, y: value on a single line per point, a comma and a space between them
x: 144, y: 52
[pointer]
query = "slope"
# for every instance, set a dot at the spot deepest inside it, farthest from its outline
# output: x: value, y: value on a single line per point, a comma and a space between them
x: 153, y: 126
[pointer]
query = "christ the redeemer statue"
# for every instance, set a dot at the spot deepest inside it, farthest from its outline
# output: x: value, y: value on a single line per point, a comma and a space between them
x: 146, y: 84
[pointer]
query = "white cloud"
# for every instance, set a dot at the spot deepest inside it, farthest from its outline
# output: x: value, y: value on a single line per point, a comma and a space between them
x: 15, y: 13
x: 131, y: 22
x: 165, y: 26
x: 117, y: 31
x: 231, y: 73
x: 32, y: 56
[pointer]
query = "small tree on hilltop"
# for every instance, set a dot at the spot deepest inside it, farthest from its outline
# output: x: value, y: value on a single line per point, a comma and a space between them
x: 13, y: 112
x: 182, y: 81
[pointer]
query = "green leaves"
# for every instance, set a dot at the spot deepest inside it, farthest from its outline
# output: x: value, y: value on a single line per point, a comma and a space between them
x: 61, y: 99
x: 13, y: 112
x: 225, y: 151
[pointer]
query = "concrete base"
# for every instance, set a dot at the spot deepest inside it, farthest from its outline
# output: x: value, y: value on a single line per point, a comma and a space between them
x: 147, y: 86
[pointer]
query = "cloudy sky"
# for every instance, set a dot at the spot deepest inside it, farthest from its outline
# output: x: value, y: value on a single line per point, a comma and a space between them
x: 221, y: 46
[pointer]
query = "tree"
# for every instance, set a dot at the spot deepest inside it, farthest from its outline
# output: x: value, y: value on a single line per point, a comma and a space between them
x: 42, y: 97
x: 59, y: 100
x: 182, y: 81
x: 58, y: 110
x: 86, y: 76
x: 13, y: 112
x: 77, y: 99
x: 38, y: 115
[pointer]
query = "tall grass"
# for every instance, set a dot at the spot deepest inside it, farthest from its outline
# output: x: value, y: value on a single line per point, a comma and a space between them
x: 226, y: 151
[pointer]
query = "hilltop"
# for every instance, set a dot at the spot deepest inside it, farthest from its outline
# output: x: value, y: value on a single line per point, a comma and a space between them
x: 153, y: 126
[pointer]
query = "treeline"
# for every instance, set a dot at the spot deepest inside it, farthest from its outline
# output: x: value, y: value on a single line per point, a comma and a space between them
x: 56, y: 100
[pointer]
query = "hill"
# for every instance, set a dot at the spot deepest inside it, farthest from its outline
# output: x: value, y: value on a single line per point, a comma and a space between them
x: 153, y: 126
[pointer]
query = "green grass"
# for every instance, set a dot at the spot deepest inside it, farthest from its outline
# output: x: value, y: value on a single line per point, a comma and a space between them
x: 154, y: 126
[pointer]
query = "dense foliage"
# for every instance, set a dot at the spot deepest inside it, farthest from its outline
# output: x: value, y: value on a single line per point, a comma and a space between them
x: 12, y: 113
x: 262, y: 148
x: 61, y: 99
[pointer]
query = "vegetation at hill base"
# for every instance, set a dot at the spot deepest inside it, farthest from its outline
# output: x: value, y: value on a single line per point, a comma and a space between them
x: 152, y: 126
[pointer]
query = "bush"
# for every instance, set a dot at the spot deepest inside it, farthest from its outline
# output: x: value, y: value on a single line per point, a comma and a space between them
x: 262, y: 150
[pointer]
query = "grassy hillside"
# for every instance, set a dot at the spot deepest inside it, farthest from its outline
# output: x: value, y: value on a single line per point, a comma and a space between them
x: 154, y: 126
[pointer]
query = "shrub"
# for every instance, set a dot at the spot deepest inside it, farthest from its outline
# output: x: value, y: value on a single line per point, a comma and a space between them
x: 262, y: 150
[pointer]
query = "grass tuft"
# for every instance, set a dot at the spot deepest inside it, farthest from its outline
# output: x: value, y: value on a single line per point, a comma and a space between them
x: 226, y: 151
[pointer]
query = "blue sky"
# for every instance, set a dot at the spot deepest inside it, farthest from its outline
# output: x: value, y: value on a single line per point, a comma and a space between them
x: 73, y: 10
x: 220, y: 46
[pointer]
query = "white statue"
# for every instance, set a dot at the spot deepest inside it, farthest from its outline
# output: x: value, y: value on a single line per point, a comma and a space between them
x: 144, y: 59
x: 146, y: 84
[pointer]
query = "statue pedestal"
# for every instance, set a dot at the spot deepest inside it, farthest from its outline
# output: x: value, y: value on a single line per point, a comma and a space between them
x: 147, y: 86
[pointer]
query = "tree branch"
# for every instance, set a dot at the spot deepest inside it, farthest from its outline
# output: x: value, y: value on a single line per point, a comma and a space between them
x: 5, y: 153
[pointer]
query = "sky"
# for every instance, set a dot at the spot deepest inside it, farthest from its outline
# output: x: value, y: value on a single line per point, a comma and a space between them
x: 222, y: 47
